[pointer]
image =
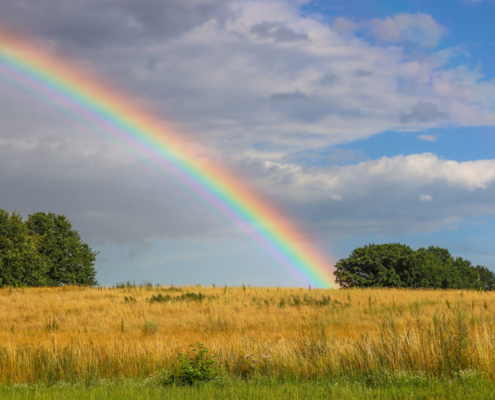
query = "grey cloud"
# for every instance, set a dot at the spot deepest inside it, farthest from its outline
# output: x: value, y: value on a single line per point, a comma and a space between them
x: 363, y: 73
x: 198, y: 63
x: 109, y: 197
x: 329, y: 79
x: 297, y: 95
x: 423, y: 112
x: 97, y: 24
x: 278, y: 32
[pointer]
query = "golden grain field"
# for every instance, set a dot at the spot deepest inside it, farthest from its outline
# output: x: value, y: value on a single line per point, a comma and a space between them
x: 70, y: 333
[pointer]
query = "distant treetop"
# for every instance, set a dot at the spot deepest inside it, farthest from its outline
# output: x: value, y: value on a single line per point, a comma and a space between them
x: 397, y: 265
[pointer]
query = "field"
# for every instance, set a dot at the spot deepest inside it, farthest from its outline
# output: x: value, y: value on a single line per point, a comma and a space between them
x: 373, y: 337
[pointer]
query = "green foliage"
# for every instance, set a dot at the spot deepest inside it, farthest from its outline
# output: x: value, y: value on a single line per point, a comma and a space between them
x: 487, y: 278
x: 43, y: 251
x: 20, y: 261
x: 150, y: 327
x: 195, y: 366
x: 198, y: 297
x: 70, y: 260
x: 375, y: 266
x: 397, y: 265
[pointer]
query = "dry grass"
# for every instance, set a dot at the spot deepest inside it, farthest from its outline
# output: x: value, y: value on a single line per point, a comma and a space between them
x: 49, y: 334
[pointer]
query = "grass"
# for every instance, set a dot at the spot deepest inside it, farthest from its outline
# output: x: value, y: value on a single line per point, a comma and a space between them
x: 71, y: 334
x: 407, y: 386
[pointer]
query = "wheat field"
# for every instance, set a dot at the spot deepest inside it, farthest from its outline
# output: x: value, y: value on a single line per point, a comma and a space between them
x: 73, y: 333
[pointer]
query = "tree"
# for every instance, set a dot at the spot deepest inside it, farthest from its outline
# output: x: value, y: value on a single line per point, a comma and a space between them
x: 20, y: 262
x: 397, y: 265
x: 486, y: 277
x: 428, y: 270
x: 382, y: 265
x: 69, y: 260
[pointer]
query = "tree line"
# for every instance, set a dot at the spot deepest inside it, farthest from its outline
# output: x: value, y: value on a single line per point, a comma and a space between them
x: 44, y: 250
x: 397, y: 265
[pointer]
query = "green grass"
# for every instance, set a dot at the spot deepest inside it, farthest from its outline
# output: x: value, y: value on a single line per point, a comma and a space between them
x: 376, y: 386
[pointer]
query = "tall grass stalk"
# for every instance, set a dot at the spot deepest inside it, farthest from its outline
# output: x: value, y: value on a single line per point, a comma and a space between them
x: 70, y: 333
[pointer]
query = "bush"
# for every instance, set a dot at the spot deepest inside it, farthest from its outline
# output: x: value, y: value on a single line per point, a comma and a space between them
x: 195, y: 366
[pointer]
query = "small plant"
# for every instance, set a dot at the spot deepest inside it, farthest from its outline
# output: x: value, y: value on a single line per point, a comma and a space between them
x: 125, y: 285
x: 150, y: 327
x: 160, y: 298
x: 199, y: 297
x: 195, y: 366
x: 51, y: 324
x: 297, y: 301
x: 130, y: 299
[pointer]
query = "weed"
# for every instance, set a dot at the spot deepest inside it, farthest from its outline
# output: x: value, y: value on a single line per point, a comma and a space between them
x: 195, y: 366
x: 150, y: 327
x: 160, y: 298
x: 51, y: 324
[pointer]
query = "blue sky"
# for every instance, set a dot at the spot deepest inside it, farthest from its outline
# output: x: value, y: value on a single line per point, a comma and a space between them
x: 365, y: 122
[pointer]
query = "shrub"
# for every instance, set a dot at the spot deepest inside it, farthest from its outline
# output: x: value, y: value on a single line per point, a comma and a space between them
x: 195, y: 366
x: 150, y: 327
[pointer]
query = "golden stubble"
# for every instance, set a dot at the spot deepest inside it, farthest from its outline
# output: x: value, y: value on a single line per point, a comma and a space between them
x: 71, y: 332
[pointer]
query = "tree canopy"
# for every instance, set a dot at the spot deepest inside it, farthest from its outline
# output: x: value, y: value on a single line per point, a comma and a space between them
x: 397, y: 265
x: 44, y: 250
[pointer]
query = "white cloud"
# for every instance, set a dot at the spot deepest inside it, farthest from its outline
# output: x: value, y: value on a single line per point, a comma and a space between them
x: 420, y: 29
x: 428, y: 138
x: 415, y: 171
x: 381, y: 196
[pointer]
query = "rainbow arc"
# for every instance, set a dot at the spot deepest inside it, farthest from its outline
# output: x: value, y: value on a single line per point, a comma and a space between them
x: 58, y: 80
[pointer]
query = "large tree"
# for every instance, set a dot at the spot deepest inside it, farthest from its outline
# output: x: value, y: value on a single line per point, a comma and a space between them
x: 21, y: 264
x: 375, y: 265
x: 397, y: 265
x: 69, y: 259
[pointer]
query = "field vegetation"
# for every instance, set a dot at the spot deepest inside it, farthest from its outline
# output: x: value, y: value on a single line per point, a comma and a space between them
x: 82, y: 334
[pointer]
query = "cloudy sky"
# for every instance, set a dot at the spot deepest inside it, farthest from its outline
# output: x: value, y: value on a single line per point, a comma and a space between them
x: 366, y: 122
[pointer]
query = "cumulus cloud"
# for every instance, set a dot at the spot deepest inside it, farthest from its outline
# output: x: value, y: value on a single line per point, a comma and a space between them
x: 277, y: 31
x: 420, y: 29
x: 260, y: 75
x: 381, y: 196
x: 423, y: 112
x: 428, y: 138
x: 263, y: 86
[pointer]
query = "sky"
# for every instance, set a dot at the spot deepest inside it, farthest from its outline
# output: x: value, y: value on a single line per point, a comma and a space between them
x: 365, y: 122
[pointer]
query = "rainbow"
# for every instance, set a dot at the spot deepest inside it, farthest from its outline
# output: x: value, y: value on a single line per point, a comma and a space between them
x: 59, y: 81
